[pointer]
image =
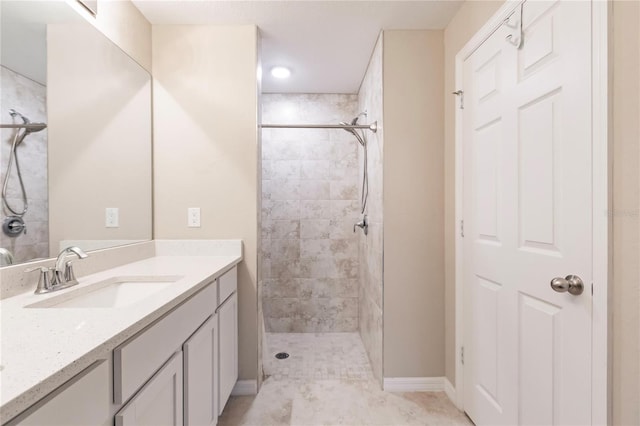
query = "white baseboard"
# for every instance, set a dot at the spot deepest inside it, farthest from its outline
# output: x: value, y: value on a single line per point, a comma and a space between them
x: 413, y: 384
x: 450, y: 391
x: 245, y: 387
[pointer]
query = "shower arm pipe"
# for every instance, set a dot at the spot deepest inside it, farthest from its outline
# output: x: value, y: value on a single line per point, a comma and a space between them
x: 373, y: 126
x: 29, y: 126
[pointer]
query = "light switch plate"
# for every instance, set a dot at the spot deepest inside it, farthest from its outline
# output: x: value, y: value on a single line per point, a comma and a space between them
x: 112, y: 217
x: 193, y: 217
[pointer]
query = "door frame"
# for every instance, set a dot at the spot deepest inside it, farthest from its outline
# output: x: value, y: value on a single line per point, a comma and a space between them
x: 601, y: 204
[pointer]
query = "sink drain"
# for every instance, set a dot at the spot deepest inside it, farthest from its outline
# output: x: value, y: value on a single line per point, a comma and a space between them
x: 282, y: 355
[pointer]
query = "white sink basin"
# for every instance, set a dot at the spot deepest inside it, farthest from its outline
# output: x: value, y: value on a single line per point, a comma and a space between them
x: 114, y: 292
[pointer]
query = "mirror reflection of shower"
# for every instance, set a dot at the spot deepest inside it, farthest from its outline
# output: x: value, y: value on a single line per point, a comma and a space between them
x: 20, y: 183
x: 14, y: 225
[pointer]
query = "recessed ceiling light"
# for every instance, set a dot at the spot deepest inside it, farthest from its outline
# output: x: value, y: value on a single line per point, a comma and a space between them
x: 280, y: 72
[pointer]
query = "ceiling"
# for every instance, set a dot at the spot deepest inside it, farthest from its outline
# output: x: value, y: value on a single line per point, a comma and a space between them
x: 23, y: 35
x: 326, y: 44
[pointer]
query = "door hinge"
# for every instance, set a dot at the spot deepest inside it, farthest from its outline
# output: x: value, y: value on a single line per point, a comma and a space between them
x: 462, y: 355
x: 462, y: 228
x: 460, y: 93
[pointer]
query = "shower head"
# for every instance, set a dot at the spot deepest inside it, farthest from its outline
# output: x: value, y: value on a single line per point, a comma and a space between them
x: 36, y: 127
x: 353, y: 131
x: 15, y: 113
x: 29, y: 126
x: 357, y: 117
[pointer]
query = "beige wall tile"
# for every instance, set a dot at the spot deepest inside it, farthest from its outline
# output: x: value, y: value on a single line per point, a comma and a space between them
x: 305, y: 170
x: 314, y: 190
x: 314, y: 228
x: 315, y: 209
x: 370, y: 247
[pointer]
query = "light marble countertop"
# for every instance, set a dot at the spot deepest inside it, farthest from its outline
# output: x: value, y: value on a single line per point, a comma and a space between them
x: 43, y: 348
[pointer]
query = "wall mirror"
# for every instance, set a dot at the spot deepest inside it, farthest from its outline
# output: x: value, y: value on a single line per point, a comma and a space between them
x: 84, y: 158
x: 90, y: 5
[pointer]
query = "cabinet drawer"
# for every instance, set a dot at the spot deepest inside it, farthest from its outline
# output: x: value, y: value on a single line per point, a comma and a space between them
x: 84, y: 400
x: 160, y: 400
x: 227, y: 284
x: 135, y: 361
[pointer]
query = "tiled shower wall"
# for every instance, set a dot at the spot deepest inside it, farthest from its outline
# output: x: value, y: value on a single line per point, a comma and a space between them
x: 371, y: 246
x: 29, y: 98
x: 310, y: 201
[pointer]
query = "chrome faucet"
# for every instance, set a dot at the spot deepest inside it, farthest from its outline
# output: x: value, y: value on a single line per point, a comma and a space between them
x: 61, y: 275
x: 64, y: 270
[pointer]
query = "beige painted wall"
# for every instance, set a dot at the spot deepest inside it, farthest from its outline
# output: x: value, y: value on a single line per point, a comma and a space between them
x: 470, y: 17
x: 99, y: 138
x: 626, y: 213
x: 206, y: 149
x: 413, y: 199
x: 123, y: 24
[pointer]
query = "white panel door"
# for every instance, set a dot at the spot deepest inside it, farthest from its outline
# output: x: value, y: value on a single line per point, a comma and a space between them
x: 200, y: 376
x: 159, y: 402
x: 527, y: 219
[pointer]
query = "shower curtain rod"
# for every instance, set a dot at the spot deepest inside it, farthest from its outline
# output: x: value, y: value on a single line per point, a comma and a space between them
x: 30, y: 126
x: 373, y: 126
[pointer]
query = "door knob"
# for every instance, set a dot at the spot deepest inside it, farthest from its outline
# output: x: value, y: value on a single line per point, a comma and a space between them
x: 571, y: 283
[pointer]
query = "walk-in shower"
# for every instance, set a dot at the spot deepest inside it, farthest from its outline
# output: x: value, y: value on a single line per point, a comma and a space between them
x: 315, y: 191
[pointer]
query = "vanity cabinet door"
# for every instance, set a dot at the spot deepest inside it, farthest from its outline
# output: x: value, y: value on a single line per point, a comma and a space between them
x: 159, y: 402
x: 228, y: 344
x: 200, y: 375
x: 84, y: 400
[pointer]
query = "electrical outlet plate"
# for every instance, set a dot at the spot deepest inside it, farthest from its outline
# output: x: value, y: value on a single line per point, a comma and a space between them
x: 112, y: 217
x: 193, y: 217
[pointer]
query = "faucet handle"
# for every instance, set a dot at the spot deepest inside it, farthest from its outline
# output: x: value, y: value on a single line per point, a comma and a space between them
x: 69, y: 275
x: 363, y: 224
x: 46, y: 280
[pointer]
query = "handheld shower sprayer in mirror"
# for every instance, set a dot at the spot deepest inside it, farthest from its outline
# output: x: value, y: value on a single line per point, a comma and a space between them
x: 21, y: 132
x: 27, y: 125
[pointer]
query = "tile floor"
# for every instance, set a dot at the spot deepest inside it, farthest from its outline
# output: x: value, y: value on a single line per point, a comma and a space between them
x: 319, y: 356
x: 327, y: 381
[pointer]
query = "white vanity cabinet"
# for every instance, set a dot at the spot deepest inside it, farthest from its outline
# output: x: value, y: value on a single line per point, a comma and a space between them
x: 83, y: 400
x: 227, y: 312
x: 179, y: 370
